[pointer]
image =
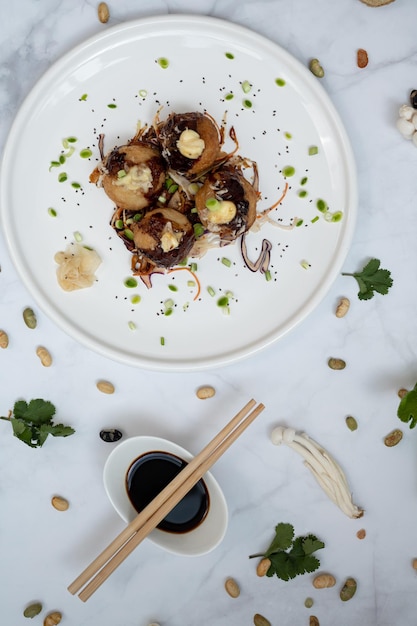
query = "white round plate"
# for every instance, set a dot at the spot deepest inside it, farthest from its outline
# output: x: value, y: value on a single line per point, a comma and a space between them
x: 209, y: 61
x: 201, y: 539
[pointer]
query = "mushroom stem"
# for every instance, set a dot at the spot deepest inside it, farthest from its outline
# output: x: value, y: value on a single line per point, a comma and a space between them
x: 323, y: 466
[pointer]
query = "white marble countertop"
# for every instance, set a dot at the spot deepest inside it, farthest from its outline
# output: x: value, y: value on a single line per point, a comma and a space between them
x: 43, y: 550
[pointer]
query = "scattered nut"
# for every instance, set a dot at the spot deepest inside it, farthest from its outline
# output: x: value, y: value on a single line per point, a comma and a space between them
x: 33, y: 609
x: 402, y: 392
x: 376, y: 3
x: 205, y: 392
x: 351, y: 423
x: 343, y: 307
x: 348, y: 590
x: 393, y: 438
x: 44, y: 356
x: 232, y: 587
x: 308, y: 603
x: 105, y: 387
x: 314, y: 621
x: 29, y: 318
x: 362, y: 58
x: 323, y: 581
x: 263, y: 566
x: 52, y: 619
x: 336, y: 364
x: 111, y: 435
x: 4, y: 339
x: 59, y: 503
x: 414, y: 564
x: 316, y: 68
x: 260, y: 620
x: 103, y: 12
x: 361, y: 534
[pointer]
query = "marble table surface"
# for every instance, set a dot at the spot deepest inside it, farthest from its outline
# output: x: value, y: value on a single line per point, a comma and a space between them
x: 43, y: 550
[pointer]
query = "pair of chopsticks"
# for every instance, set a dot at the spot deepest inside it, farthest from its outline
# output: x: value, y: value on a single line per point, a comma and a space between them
x: 100, y: 569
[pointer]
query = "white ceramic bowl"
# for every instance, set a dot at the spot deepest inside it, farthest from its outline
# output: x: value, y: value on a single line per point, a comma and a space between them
x: 202, y: 539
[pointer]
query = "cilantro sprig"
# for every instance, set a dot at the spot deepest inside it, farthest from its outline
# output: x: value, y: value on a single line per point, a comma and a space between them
x: 372, y: 278
x: 407, y: 409
x: 291, y: 557
x: 32, y: 422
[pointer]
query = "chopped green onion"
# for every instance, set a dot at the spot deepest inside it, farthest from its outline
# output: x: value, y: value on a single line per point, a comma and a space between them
x: 54, y: 164
x: 62, y: 159
x: 304, y: 180
x: 193, y: 188
x: 121, y: 174
x: 246, y: 86
x: 168, y: 182
x: 229, y: 294
x: 65, y: 143
x: 315, y: 219
x: 162, y: 341
x: 163, y: 62
x: 162, y: 199
x: 247, y: 104
x: 280, y: 82
x: 168, y: 304
x: 76, y: 185
x: 198, y: 229
x: 132, y: 325
x: 299, y: 222
x: 305, y: 265
x: 288, y: 135
x: 130, y: 282
x: 268, y: 275
x: 119, y: 224
x: 194, y: 210
x: 143, y: 93
x: 52, y: 212
x: 62, y: 177
x: 226, y: 262
x: 302, y: 193
x: 321, y: 205
x: 168, y: 312
x: 223, y: 301
x: 288, y: 171
x: 128, y: 233
x: 172, y: 287
x: 211, y: 291
x: 229, y: 96
x: 337, y: 216
x: 193, y: 267
x: 78, y: 236
x: 172, y: 188
x: 84, y: 96
x: 112, y: 105
x: 86, y: 153
x: 72, y: 139
x: 229, y: 55
x: 212, y: 204
x: 184, y: 262
x: 313, y: 150
x: 137, y: 217
x: 135, y: 299
x: 190, y: 283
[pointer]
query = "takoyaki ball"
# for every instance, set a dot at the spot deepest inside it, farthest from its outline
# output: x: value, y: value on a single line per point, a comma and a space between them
x: 134, y: 176
x: 190, y: 143
x: 164, y: 236
x: 226, y: 203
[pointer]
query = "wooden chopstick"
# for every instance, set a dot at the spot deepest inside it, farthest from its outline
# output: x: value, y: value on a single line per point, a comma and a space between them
x: 101, y: 568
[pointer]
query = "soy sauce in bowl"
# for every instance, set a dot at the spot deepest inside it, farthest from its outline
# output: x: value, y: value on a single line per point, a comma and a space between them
x: 149, y: 474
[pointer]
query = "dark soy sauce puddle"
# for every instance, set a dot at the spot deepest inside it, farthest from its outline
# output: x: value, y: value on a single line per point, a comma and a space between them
x: 149, y: 474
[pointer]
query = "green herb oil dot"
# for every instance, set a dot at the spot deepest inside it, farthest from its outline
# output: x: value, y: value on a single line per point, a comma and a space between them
x: 163, y: 62
x: 130, y: 282
x: 135, y: 299
x: 223, y: 301
x: 288, y: 171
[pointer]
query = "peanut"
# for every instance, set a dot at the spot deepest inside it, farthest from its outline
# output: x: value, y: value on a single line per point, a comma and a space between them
x: 414, y: 564
x: 361, y: 534
x: 402, y: 392
x: 105, y: 386
x: 32, y: 610
x: 59, y: 503
x: 44, y: 356
x: 316, y: 68
x: 393, y: 438
x: 4, y: 339
x: 232, y: 587
x: 205, y: 392
x: 29, y: 318
x: 343, y: 307
x: 314, y: 621
x: 263, y: 566
x: 336, y: 364
x: 351, y: 423
x: 103, y: 12
x: 348, y: 590
x: 362, y: 58
x: 260, y: 620
x: 52, y: 619
x: 323, y: 581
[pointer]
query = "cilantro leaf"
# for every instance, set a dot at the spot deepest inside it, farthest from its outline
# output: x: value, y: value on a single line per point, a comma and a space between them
x: 32, y: 422
x: 372, y: 278
x: 284, y: 534
x: 407, y: 409
x: 291, y: 557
